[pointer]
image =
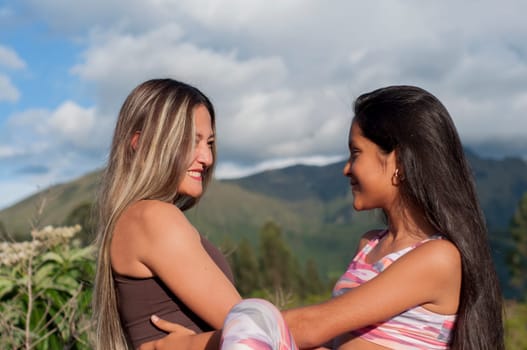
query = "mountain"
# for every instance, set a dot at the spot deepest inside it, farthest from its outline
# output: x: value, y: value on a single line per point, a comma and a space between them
x: 310, y: 203
x: 500, y: 185
x: 49, y: 206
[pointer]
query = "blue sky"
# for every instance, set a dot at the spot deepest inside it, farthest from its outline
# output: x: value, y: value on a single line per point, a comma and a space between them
x: 282, y: 77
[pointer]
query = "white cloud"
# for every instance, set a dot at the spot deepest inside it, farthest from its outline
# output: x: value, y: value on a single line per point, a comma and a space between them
x: 228, y: 170
x: 116, y: 62
x: 285, y: 123
x: 68, y: 127
x: 268, y: 69
x: 282, y: 77
x: 7, y: 151
x: 73, y: 123
x: 10, y: 59
x: 8, y: 92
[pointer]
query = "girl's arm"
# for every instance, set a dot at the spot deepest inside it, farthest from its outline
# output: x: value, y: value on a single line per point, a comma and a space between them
x: 429, y: 275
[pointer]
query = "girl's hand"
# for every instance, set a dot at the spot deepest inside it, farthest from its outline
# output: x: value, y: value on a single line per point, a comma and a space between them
x: 172, y: 328
x: 181, y: 338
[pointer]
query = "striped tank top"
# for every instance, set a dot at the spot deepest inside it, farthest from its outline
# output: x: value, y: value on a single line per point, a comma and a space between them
x: 414, y: 329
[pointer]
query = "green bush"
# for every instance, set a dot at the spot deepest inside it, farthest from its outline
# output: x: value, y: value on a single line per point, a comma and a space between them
x: 45, y: 291
x: 516, y: 326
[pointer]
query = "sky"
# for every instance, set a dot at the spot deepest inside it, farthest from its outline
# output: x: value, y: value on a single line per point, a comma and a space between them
x: 282, y: 75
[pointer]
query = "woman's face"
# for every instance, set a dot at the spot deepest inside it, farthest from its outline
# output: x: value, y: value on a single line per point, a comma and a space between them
x: 202, y: 159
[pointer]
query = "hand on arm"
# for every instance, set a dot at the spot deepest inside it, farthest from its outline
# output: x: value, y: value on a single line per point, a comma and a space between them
x: 182, y: 338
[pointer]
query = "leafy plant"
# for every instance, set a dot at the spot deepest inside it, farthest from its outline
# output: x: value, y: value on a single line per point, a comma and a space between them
x: 517, y: 259
x: 45, y: 291
x: 516, y: 326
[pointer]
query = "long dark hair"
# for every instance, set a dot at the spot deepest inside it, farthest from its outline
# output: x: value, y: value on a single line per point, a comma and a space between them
x: 438, y: 180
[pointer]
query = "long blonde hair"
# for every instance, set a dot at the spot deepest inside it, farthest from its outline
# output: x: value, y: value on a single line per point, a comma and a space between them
x: 161, y: 111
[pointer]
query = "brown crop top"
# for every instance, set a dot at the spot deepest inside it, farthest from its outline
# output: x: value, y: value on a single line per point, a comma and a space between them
x: 139, y: 298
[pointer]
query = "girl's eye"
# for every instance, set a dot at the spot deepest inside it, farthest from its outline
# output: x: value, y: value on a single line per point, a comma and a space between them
x: 210, y: 143
x: 354, y: 153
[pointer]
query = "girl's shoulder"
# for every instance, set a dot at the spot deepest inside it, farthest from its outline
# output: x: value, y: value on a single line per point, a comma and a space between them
x: 440, y: 255
x: 369, y: 236
x: 439, y: 248
x: 373, y: 234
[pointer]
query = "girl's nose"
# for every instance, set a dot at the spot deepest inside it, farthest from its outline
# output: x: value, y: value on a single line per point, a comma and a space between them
x: 346, y: 170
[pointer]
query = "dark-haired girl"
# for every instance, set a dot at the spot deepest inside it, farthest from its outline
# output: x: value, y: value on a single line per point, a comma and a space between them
x: 426, y: 280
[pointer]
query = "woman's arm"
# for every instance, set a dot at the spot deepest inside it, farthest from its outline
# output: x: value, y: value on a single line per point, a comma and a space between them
x: 166, y: 245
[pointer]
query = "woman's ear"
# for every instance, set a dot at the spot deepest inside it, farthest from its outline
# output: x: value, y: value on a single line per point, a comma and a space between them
x: 134, y: 142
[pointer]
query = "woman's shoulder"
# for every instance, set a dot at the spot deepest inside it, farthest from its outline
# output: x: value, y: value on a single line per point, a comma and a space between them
x: 151, y: 206
x: 154, y: 217
x: 148, y: 210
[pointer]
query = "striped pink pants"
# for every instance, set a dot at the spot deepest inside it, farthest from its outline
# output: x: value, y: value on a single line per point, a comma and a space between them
x: 258, y: 325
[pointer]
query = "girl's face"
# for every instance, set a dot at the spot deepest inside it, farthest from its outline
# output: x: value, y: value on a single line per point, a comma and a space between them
x: 371, y: 173
x: 201, y: 160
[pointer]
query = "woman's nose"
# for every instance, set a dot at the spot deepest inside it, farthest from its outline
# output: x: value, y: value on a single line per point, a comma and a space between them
x: 205, y: 155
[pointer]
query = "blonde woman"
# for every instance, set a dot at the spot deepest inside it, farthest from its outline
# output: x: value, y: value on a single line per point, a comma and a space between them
x: 151, y: 260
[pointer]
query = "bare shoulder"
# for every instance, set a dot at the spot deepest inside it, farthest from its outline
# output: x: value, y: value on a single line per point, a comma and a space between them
x: 161, y: 230
x: 440, y: 250
x: 153, y: 217
x: 149, y: 210
x: 439, y: 255
x: 149, y: 224
x: 368, y: 236
x: 142, y: 229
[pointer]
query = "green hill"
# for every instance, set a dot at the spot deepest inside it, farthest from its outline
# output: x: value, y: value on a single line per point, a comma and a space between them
x: 49, y: 206
x: 310, y: 203
x: 500, y: 185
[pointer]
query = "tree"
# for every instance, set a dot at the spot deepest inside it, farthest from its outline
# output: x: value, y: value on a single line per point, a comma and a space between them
x: 3, y: 232
x: 278, y: 267
x: 245, y: 268
x: 312, y: 283
x: 518, y: 255
x: 82, y: 215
